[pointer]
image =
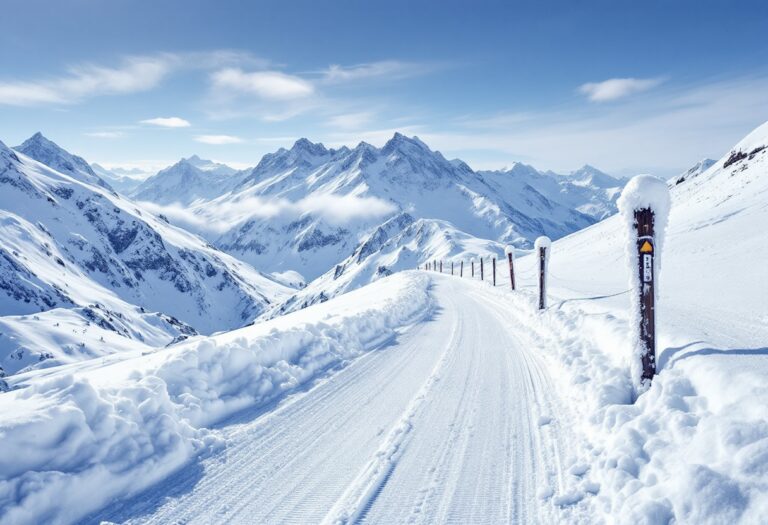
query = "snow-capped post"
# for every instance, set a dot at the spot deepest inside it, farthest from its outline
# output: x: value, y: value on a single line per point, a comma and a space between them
x: 494, y: 271
x: 472, y: 262
x: 644, y: 206
x: 510, y: 257
x: 543, y: 247
x: 482, y: 275
x: 461, y: 269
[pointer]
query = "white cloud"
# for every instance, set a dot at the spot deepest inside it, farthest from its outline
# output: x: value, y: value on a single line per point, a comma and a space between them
x: 387, y: 68
x: 350, y: 120
x: 105, y: 134
x: 167, y: 122
x: 218, y: 218
x: 265, y: 84
x: 218, y: 139
x: 135, y: 74
x: 616, y: 88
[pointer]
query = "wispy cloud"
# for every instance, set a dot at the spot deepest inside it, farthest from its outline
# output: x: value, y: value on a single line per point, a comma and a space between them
x: 135, y: 74
x: 167, y: 122
x: 384, y: 69
x: 218, y: 140
x: 265, y: 84
x: 105, y: 134
x: 213, y: 218
x: 616, y: 88
x: 351, y: 120
x: 663, y: 132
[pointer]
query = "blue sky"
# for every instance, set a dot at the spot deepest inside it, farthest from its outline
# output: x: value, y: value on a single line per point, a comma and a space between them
x: 626, y: 86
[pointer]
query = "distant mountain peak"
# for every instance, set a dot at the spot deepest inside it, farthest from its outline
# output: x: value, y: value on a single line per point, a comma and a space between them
x: 310, y: 147
x: 401, y: 142
x: 45, y: 151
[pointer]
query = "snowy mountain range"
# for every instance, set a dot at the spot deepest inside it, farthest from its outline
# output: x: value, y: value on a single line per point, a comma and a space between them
x: 95, y: 271
x: 69, y: 243
x: 308, y: 207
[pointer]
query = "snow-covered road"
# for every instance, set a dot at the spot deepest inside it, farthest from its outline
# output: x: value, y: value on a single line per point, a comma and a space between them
x: 454, y: 420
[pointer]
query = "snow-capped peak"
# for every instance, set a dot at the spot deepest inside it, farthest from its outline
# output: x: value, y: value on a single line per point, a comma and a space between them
x: 306, y: 146
x: 590, y: 176
x: 402, y: 143
x: 209, y: 165
x: 47, y: 152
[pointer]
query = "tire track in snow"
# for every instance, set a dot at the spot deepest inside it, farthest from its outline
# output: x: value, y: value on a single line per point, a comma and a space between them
x: 360, y: 495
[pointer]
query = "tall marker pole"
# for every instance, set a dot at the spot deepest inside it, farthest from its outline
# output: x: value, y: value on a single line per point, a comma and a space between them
x: 494, y: 271
x: 473, y: 268
x: 543, y: 247
x: 644, y: 204
x: 482, y: 274
x: 441, y: 266
x: 510, y: 257
x: 461, y: 269
x: 644, y: 220
x: 451, y: 267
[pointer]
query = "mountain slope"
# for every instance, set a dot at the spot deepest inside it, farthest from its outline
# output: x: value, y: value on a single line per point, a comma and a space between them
x: 587, y: 190
x: 187, y: 181
x: 401, y: 243
x: 41, y: 149
x: 67, y: 229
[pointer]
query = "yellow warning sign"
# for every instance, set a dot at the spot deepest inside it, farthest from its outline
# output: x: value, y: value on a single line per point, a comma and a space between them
x: 646, y: 247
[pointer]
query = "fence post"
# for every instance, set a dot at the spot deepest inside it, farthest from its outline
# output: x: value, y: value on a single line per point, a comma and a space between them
x: 441, y: 266
x: 543, y: 247
x: 473, y: 267
x: 510, y: 257
x: 451, y: 267
x: 481, y: 269
x: 494, y: 271
x: 644, y: 204
x: 461, y: 269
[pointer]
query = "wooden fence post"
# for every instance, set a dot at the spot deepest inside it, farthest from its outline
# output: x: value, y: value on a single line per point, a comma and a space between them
x: 494, y: 271
x: 451, y: 267
x: 543, y: 247
x: 461, y: 269
x: 473, y: 268
x: 481, y: 269
x: 441, y: 266
x: 510, y: 257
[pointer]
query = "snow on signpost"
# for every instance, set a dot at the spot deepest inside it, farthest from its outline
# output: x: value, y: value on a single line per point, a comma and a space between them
x: 510, y: 257
x: 644, y: 206
x: 543, y: 247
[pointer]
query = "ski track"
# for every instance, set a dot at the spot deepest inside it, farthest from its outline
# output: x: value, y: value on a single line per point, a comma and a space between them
x: 440, y: 425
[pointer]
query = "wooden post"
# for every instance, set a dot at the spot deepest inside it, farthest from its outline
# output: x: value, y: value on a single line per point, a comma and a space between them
x: 646, y: 246
x: 543, y: 247
x: 461, y: 269
x: 441, y: 266
x: 473, y: 268
x: 494, y: 271
x: 451, y: 267
x: 482, y: 274
x: 510, y: 257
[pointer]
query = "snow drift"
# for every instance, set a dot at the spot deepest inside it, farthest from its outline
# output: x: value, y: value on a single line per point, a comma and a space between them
x: 81, y: 439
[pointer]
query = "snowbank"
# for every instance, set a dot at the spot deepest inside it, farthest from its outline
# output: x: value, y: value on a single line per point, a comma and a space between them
x: 81, y: 439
